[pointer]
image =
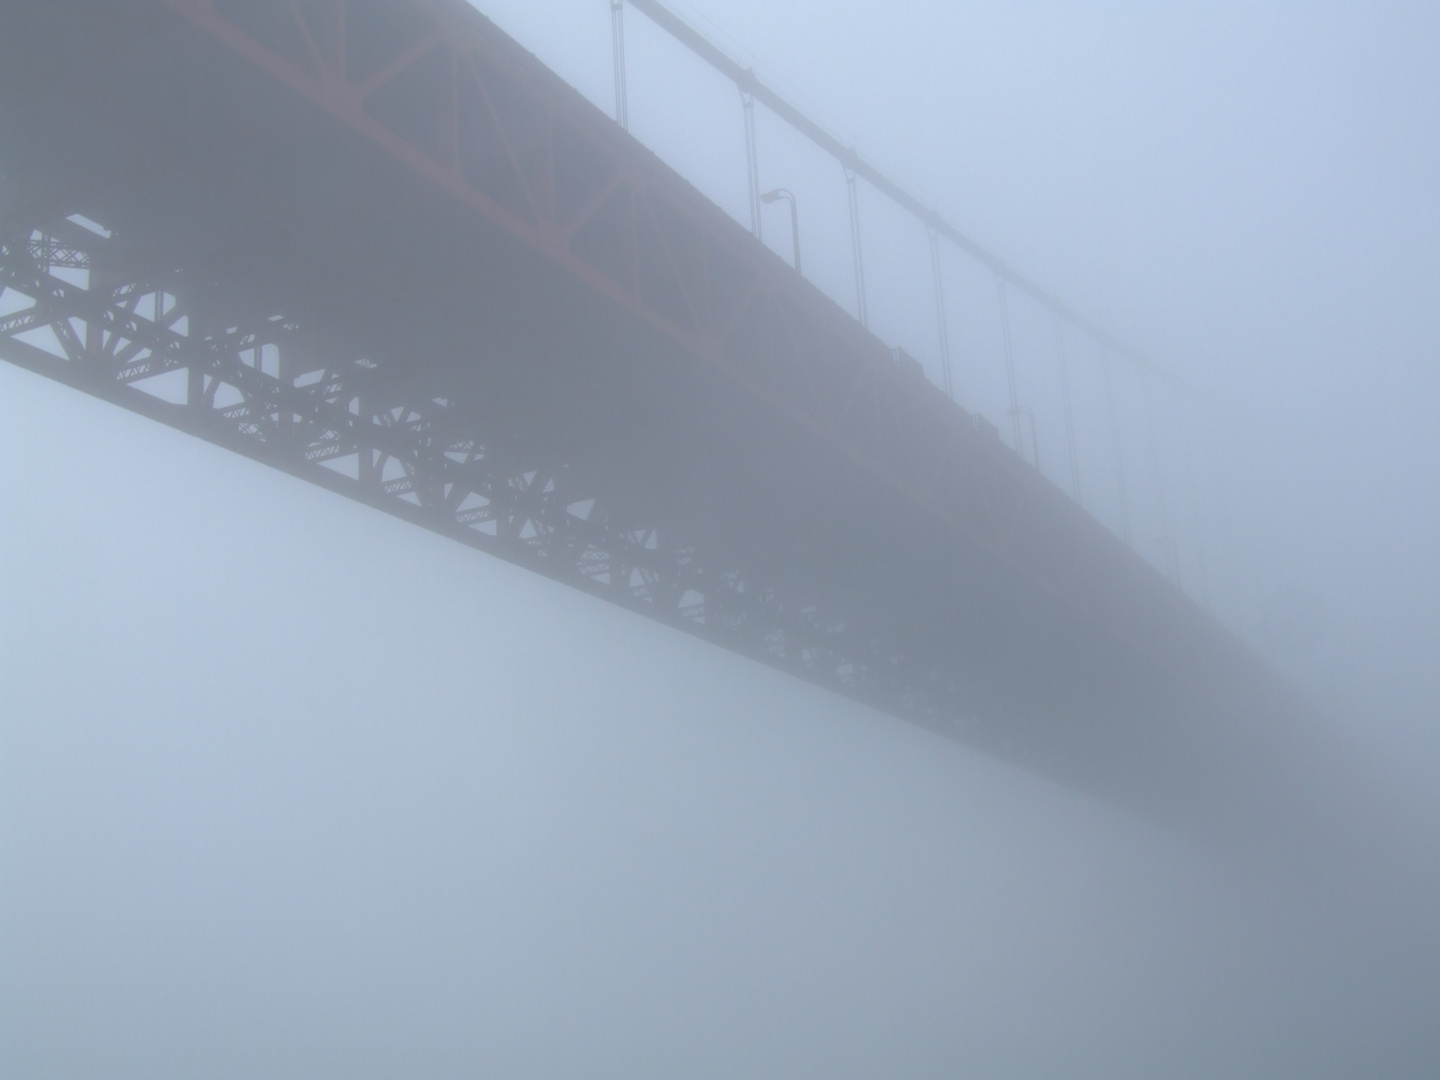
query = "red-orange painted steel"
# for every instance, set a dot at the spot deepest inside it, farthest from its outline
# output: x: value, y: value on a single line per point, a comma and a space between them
x: 915, y: 433
x: 469, y: 273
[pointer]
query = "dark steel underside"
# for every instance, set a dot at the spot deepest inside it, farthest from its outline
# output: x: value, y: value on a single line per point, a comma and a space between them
x: 374, y: 244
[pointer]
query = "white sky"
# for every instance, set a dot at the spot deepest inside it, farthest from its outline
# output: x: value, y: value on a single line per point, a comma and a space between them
x: 291, y: 789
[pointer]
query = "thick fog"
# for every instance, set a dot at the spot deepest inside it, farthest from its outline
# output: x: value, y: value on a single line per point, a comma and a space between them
x: 289, y: 788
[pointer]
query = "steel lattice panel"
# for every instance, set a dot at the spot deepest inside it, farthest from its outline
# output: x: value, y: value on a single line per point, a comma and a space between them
x: 374, y: 244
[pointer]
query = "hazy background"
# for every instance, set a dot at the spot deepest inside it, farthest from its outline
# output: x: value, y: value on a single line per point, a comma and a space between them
x: 288, y: 788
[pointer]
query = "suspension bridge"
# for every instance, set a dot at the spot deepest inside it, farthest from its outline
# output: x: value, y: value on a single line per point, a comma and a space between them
x: 377, y: 245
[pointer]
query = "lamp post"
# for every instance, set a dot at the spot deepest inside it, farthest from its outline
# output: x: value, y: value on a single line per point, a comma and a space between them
x: 788, y: 196
x: 1017, y: 414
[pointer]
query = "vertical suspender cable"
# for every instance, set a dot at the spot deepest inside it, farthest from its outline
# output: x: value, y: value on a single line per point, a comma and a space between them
x: 1224, y: 489
x: 855, y: 166
x: 1115, y: 446
x: 617, y: 44
x: 752, y: 165
x: 944, y: 325
x: 1069, y: 413
x: 861, y: 310
x: 1157, y: 478
x: 1010, y: 382
x: 1026, y: 411
x: 1194, y: 497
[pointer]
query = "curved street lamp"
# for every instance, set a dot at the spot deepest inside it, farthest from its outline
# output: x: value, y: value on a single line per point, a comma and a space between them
x: 788, y: 196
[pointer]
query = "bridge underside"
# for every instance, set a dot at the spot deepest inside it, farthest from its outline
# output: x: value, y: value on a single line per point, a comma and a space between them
x: 638, y: 402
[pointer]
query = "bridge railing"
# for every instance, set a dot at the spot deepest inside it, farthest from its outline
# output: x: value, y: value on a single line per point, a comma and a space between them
x: 1148, y: 466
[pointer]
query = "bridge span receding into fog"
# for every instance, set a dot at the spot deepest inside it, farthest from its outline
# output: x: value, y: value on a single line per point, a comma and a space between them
x: 377, y: 245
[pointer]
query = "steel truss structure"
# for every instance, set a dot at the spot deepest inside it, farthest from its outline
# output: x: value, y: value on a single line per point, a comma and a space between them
x: 83, y: 311
x: 374, y: 244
